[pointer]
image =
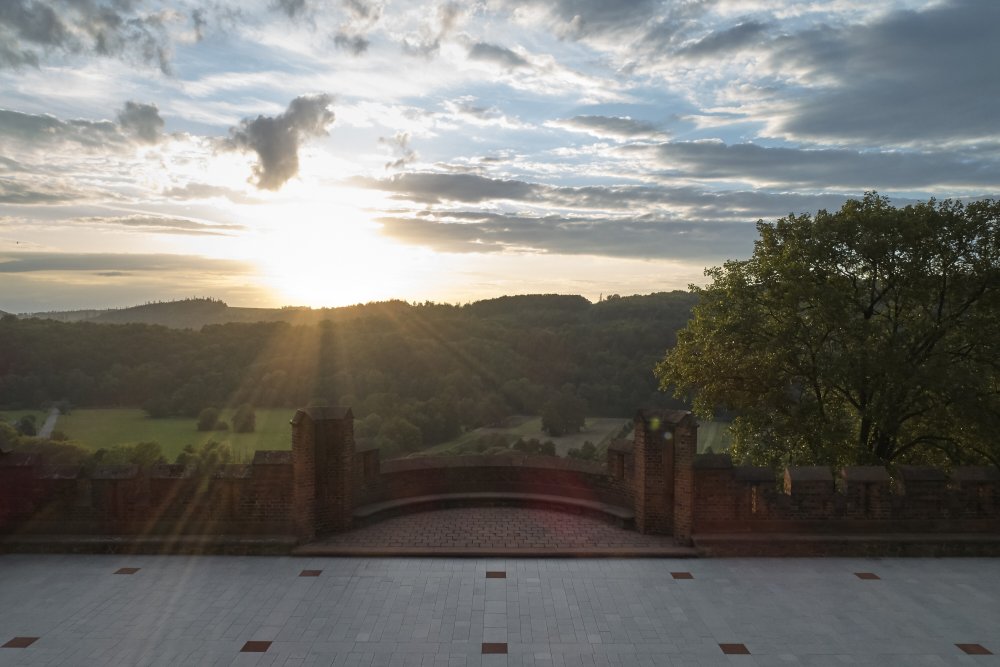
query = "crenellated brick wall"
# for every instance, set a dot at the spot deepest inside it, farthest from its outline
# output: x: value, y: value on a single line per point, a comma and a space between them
x: 315, y: 489
x: 251, y: 499
x: 857, y: 500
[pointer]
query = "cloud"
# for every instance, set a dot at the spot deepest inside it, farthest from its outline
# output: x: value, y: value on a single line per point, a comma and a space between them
x: 400, y: 146
x: 428, y: 187
x: 207, y: 191
x: 468, y: 111
x: 356, y: 44
x: 29, y: 262
x: 353, y: 33
x: 497, y: 54
x: 30, y: 29
x: 688, y: 203
x: 292, y: 8
x: 570, y: 235
x: 135, y: 122
x: 17, y: 192
x: 824, y: 168
x: 612, y: 127
x: 579, y: 19
x: 428, y: 43
x: 912, y: 77
x: 723, y: 41
x: 276, y: 139
x: 141, y: 120
x: 43, y: 128
x: 164, y: 225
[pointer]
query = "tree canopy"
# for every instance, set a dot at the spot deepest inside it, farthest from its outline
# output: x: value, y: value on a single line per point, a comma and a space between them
x: 864, y: 336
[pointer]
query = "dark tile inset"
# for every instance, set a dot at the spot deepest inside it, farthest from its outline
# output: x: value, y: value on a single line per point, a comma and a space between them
x: 255, y: 647
x: 494, y: 647
x: 310, y: 573
x: 496, y: 574
x: 974, y: 649
x: 127, y: 570
x: 735, y: 649
x: 682, y: 575
x: 25, y: 642
x: 866, y: 575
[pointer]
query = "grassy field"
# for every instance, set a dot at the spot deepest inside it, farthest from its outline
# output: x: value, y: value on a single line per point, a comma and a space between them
x: 106, y: 428
x: 96, y: 429
x: 11, y: 416
x: 598, y: 430
x: 715, y: 435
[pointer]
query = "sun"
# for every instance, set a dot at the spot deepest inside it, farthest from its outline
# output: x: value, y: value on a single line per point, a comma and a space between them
x: 328, y: 252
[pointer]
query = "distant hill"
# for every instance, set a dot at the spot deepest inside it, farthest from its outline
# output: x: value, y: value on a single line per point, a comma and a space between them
x: 533, y: 309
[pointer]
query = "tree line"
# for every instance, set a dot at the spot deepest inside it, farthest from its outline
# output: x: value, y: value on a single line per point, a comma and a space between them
x: 414, y: 374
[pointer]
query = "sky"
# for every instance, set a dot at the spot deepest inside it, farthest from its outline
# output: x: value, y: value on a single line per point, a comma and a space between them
x: 298, y: 152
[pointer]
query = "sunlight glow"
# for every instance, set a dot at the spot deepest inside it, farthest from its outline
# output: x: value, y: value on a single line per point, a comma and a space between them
x: 326, y: 251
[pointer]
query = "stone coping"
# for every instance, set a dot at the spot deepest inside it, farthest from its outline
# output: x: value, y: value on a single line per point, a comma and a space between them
x: 415, y: 503
x: 507, y: 461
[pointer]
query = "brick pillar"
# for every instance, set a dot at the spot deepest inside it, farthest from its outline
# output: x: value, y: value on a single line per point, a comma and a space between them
x: 685, y: 448
x: 323, y: 469
x: 304, y: 476
x: 665, y: 443
x: 653, y: 488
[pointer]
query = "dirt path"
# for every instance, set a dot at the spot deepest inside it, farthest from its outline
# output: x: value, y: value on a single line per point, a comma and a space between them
x: 50, y: 424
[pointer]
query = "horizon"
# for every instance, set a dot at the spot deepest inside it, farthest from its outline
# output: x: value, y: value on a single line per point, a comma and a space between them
x: 291, y: 306
x: 289, y: 152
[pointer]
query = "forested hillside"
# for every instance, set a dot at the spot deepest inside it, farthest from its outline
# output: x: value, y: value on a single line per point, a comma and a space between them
x: 418, y: 373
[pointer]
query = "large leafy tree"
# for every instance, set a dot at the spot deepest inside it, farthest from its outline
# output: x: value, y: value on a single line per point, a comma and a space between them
x: 868, y: 335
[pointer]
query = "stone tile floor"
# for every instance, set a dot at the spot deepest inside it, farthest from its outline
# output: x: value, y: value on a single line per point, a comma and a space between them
x: 219, y: 610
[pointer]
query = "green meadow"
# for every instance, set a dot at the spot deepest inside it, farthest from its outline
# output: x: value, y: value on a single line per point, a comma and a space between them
x: 598, y: 430
x: 97, y: 429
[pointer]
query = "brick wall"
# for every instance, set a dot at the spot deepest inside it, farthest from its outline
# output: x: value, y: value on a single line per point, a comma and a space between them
x: 544, y: 475
x: 313, y: 489
x: 852, y: 500
x: 252, y: 499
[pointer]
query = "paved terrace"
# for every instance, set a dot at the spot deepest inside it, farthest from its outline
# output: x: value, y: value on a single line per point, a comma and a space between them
x: 218, y: 610
x: 494, y: 531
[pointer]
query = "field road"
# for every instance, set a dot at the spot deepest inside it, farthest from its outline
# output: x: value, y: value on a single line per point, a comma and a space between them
x: 50, y: 424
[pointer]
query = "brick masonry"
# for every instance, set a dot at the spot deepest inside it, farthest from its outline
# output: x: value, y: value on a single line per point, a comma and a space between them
x: 313, y: 490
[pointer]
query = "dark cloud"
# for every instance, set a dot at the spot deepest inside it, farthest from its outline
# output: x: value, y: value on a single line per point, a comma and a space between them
x: 115, y: 28
x: 43, y: 128
x: 356, y: 44
x: 276, y: 139
x: 616, y: 127
x: 361, y: 18
x: 568, y: 235
x: 586, y: 18
x: 825, y: 168
x: 199, y: 20
x: 436, y: 188
x: 292, y: 8
x: 164, y: 225
x: 732, y: 39
x: 687, y: 203
x: 911, y: 77
x: 142, y: 121
x: 135, y: 122
x: 496, y: 54
x: 27, y: 262
x: 361, y: 10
